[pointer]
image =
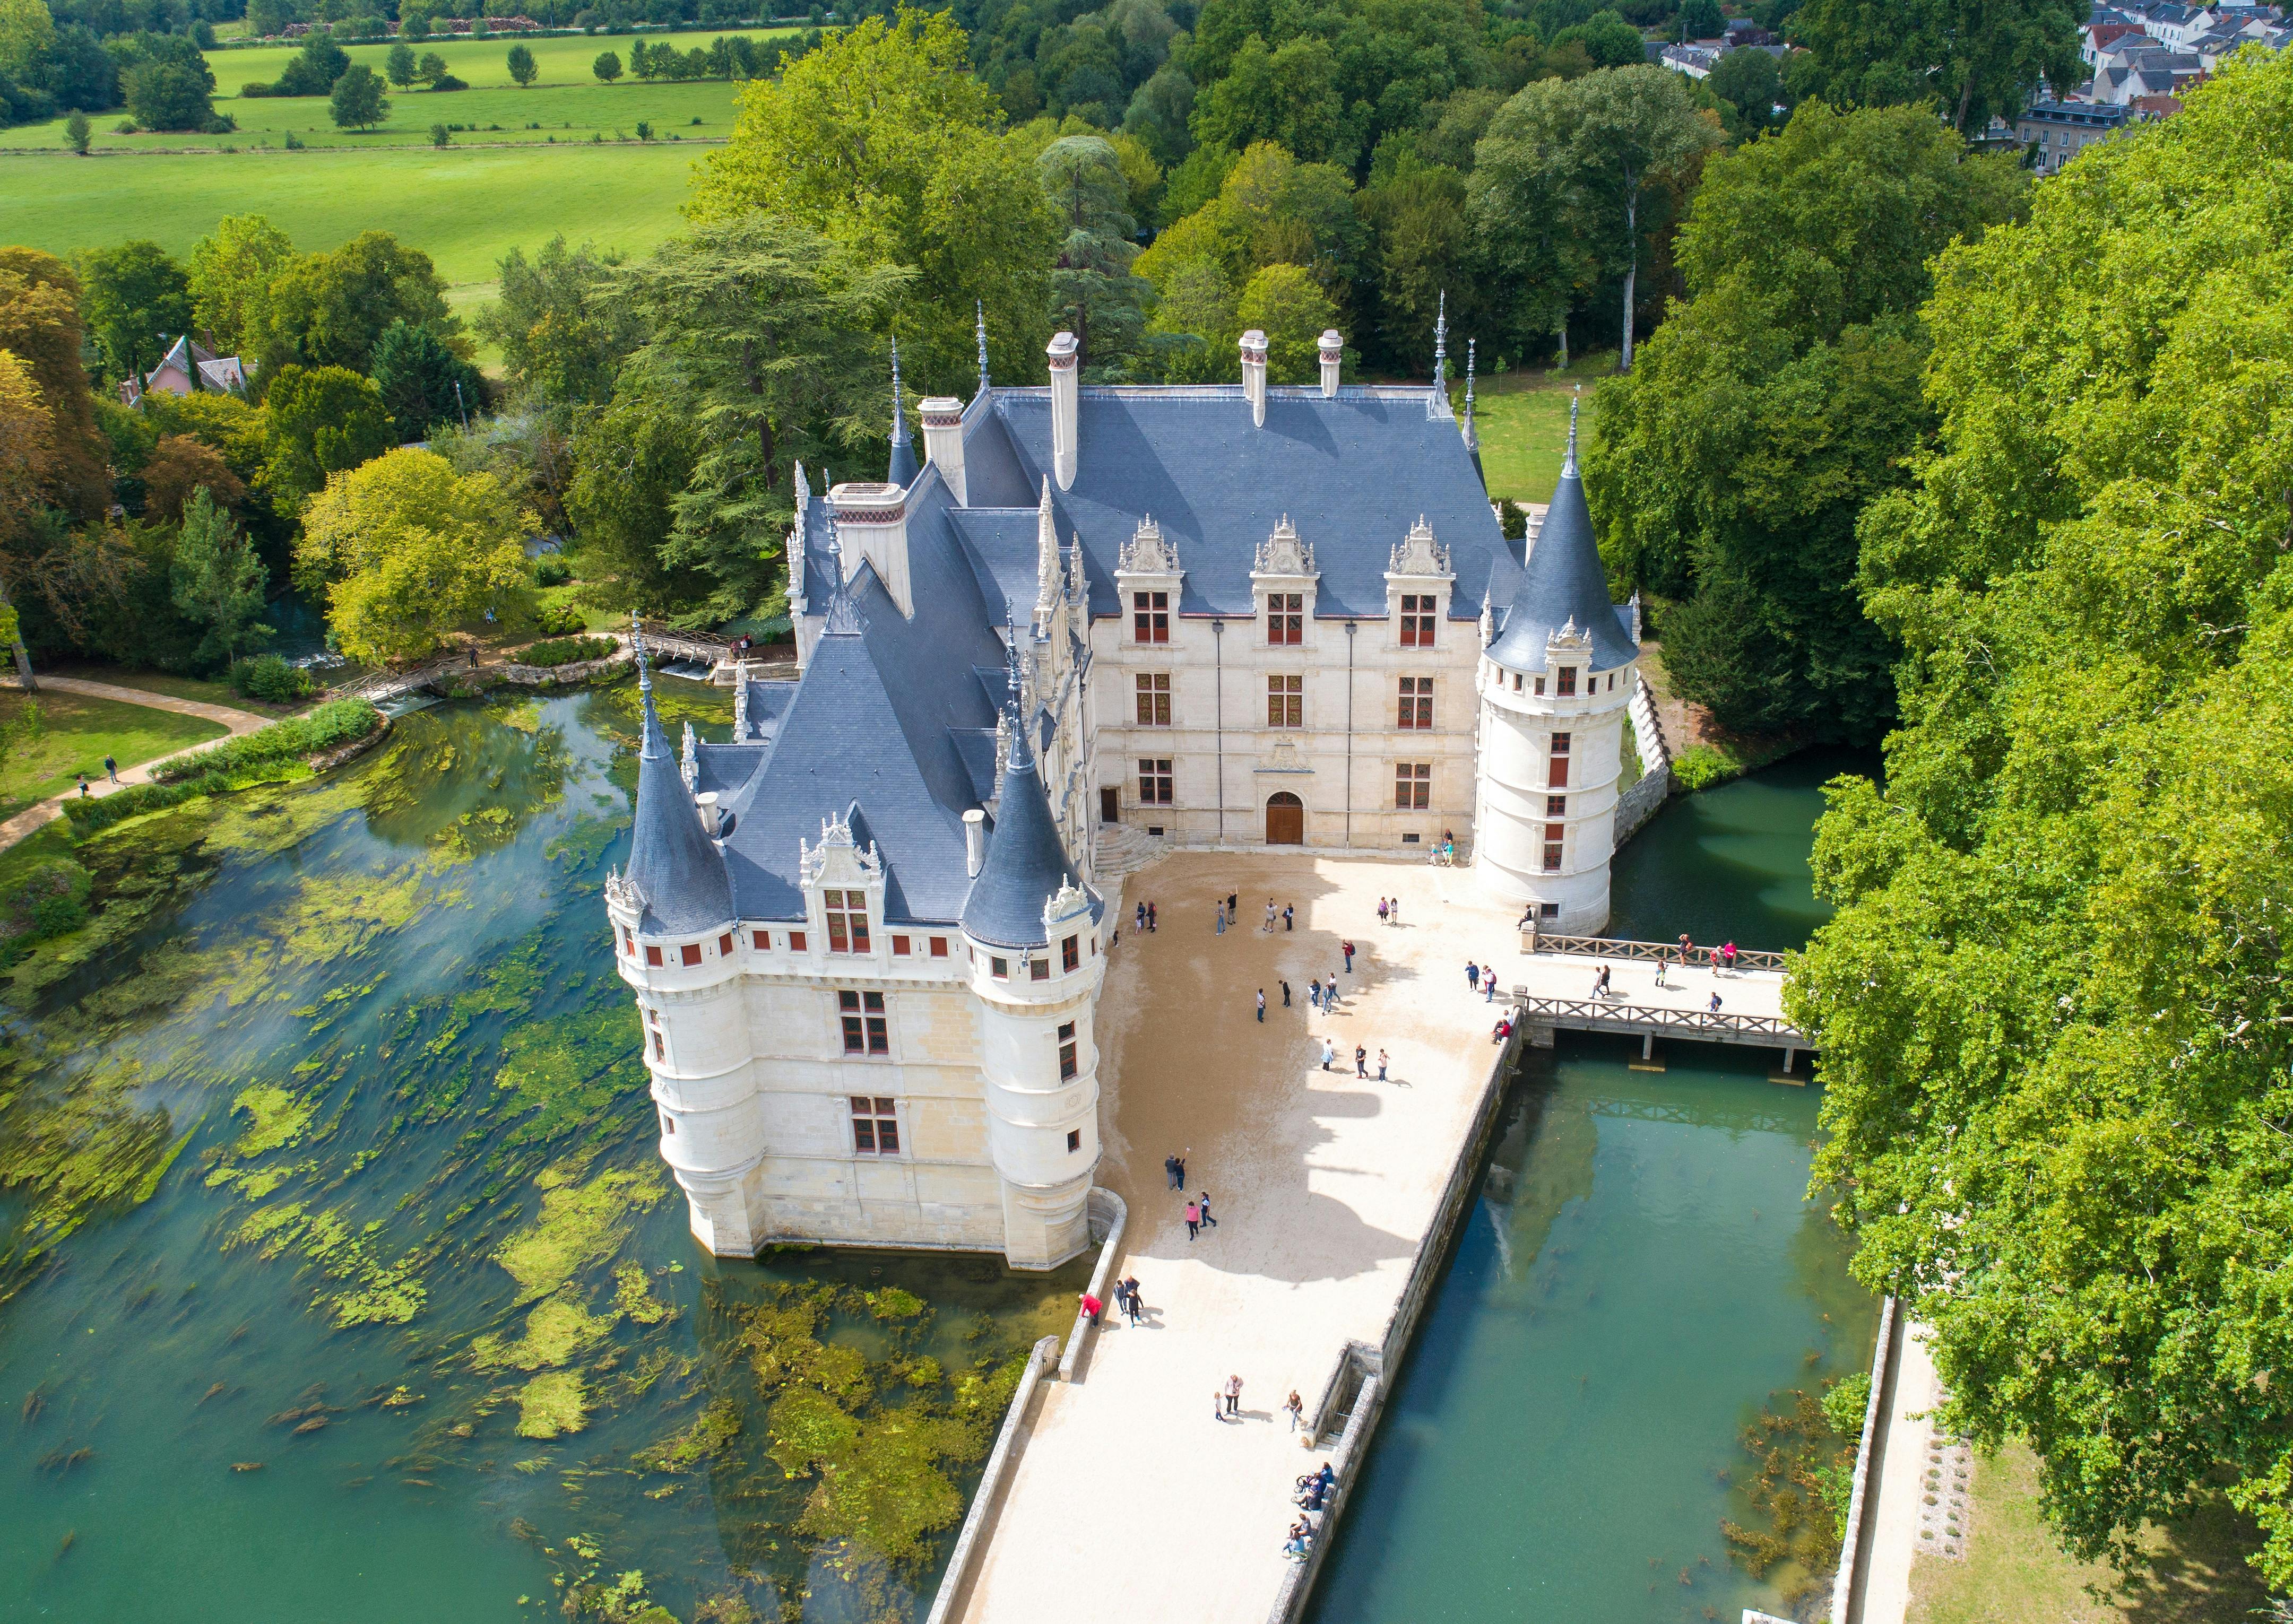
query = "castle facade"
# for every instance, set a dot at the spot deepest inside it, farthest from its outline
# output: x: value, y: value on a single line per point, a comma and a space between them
x: 867, y: 935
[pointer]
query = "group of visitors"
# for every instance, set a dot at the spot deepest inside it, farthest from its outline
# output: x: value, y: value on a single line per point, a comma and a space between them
x: 1389, y: 910
x: 1312, y: 1499
x: 1481, y: 979
x: 1143, y: 917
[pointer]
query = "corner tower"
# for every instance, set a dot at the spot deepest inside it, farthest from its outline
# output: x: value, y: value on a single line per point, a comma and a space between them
x: 1555, y: 686
x: 1032, y: 928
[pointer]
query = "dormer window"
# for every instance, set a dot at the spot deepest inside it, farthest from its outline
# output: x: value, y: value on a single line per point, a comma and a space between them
x: 1150, y: 616
x: 1568, y: 677
x: 1285, y: 618
x: 1418, y: 612
x: 847, y: 921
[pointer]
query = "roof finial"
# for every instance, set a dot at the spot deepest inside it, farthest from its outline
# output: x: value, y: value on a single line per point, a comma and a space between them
x: 980, y: 307
x: 649, y: 725
x: 1441, y: 342
x: 843, y: 617
x: 899, y: 412
x: 1568, y: 463
x: 1015, y: 675
x: 1470, y: 443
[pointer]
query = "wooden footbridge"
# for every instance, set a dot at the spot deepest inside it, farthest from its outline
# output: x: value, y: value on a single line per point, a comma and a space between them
x: 1653, y: 989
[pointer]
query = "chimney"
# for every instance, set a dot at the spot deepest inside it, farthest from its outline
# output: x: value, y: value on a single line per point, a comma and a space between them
x: 1253, y: 375
x: 706, y: 801
x: 943, y: 421
x: 1334, y: 355
x: 872, y: 522
x: 1064, y: 408
x: 975, y: 841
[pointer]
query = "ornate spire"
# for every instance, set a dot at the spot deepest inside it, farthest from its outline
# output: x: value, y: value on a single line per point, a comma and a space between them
x: 1016, y: 674
x: 650, y: 737
x: 1568, y: 463
x: 980, y: 307
x: 1437, y: 402
x: 903, y: 469
x: 1471, y: 442
x: 842, y: 615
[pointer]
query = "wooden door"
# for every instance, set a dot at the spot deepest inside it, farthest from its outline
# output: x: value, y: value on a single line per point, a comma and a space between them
x: 1110, y: 804
x: 1285, y: 820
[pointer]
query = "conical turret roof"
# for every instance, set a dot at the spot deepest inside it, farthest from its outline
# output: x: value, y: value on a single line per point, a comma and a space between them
x: 673, y: 863
x: 1563, y: 583
x: 1026, y: 866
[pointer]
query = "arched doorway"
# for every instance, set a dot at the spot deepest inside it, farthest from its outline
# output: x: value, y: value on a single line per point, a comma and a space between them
x: 1285, y: 820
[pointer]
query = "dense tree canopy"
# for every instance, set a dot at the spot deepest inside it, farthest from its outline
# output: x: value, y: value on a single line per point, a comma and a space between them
x: 2052, y: 1006
x: 1972, y: 58
x: 137, y: 303
x: 1728, y: 470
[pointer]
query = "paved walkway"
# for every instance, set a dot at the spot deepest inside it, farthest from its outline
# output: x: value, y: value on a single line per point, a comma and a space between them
x: 1899, y: 1473
x: 48, y: 811
x: 1323, y: 1186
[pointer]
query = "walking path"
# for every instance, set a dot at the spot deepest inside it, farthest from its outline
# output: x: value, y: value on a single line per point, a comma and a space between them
x: 48, y: 811
x: 1323, y: 1186
x: 1899, y: 1479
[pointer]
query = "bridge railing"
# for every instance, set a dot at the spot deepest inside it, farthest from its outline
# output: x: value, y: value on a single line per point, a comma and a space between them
x: 1655, y: 1018
x: 1618, y: 947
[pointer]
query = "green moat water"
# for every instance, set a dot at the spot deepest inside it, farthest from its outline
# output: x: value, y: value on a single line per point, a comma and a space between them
x: 342, y: 1280
x: 1639, y: 1280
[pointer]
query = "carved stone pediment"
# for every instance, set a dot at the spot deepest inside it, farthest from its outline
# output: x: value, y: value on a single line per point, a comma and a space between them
x: 1419, y: 554
x: 1283, y: 554
x: 1570, y: 641
x: 1069, y: 903
x: 1148, y: 551
x: 837, y: 860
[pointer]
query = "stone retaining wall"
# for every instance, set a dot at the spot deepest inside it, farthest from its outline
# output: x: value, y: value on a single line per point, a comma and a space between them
x: 984, y: 1500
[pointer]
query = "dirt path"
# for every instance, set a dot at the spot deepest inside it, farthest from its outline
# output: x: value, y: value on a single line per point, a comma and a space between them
x: 239, y: 722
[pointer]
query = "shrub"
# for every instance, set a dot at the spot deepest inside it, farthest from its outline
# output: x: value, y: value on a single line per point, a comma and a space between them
x: 48, y: 902
x: 1845, y: 1404
x: 255, y: 89
x: 294, y: 141
x: 558, y: 619
x: 551, y: 569
x: 440, y: 135
x: 447, y: 81
x: 267, y: 676
x: 565, y: 651
x: 1699, y: 767
x: 335, y: 723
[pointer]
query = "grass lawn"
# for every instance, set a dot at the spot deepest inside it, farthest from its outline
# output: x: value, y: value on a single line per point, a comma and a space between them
x: 78, y: 733
x: 565, y: 101
x: 464, y: 208
x: 44, y: 844
x: 1522, y: 419
x: 2015, y: 1574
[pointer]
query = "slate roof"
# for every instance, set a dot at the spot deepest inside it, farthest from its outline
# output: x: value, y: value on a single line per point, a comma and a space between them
x: 1563, y: 582
x: 1026, y: 864
x: 1353, y: 472
x: 673, y: 863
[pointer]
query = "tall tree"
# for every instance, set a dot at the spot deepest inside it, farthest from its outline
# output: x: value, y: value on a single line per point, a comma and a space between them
x: 218, y: 582
x: 2052, y: 1005
x: 422, y: 382
x: 1974, y: 58
x: 764, y: 330
x: 137, y: 303
x: 521, y: 65
x: 330, y: 309
x: 1729, y: 471
x: 357, y: 101
x: 560, y: 326
x: 1289, y: 308
x: 319, y: 421
x: 231, y: 269
x: 40, y: 323
x: 884, y: 141
x: 1093, y: 292
x: 1595, y: 148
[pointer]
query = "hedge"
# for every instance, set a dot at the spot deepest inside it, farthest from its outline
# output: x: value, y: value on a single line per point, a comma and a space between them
x: 227, y: 765
x: 566, y: 652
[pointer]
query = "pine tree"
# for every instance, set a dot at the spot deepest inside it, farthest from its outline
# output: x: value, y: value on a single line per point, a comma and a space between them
x: 217, y: 580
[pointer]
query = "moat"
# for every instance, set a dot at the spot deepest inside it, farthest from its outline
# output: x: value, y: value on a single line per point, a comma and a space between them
x: 410, y: 1324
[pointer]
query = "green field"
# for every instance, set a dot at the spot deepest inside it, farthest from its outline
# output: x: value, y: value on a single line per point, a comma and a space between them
x: 78, y: 731
x: 1522, y: 420
x: 463, y: 207
x: 565, y: 102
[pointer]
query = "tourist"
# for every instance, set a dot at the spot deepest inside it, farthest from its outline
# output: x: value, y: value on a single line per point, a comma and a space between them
x: 1347, y: 948
x: 1285, y: 995
x: 1396, y: 910
x: 1329, y: 1053
x: 1131, y: 1306
x: 1218, y: 1405
x: 1261, y: 1007
x: 1296, y: 1407
x: 1330, y: 995
x: 1177, y: 1172
x: 1502, y: 1030
x: 1140, y: 918
x: 1314, y: 992
x: 1294, y: 1547
x: 1203, y: 1201
x: 1092, y: 1306
x: 1150, y: 918
x: 1381, y: 1065
x: 1380, y: 910
x: 1181, y: 1184
x: 1289, y: 916
x: 1472, y: 976
x: 1489, y: 982
x: 1221, y: 920
x: 111, y: 768
x: 1659, y: 973
x: 83, y: 786
x: 1361, y: 1063
x: 1194, y: 1221
x: 1234, y: 1395
x: 1686, y: 948
x: 1715, y: 1003
x: 1233, y: 905
x: 1729, y: 951
x: 1268, y: 927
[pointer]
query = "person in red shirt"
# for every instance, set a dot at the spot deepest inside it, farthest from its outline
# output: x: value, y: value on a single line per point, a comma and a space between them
x: 1091, y: 1305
